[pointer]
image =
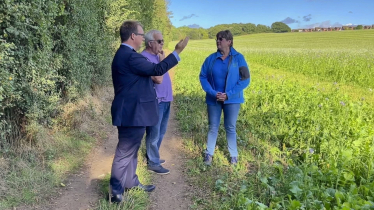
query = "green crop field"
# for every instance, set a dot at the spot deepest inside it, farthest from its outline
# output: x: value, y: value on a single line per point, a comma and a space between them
x: 305, y: 132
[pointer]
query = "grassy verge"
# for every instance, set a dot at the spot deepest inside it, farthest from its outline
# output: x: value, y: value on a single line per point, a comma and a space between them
x: 48, y: 155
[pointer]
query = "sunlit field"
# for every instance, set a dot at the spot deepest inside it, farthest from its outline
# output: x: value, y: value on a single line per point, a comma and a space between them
x: 305, y: 132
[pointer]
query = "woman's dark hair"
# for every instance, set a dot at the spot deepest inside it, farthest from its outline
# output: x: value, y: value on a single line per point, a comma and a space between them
x: 227, y: 35
x: 127, y: 28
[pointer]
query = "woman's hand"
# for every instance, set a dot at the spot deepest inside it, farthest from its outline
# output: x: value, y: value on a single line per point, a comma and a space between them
x: 221, y: 96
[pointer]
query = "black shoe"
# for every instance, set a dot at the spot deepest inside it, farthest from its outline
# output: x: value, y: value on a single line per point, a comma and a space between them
x: 147, y: 188
x: 115, y: 198
x: 158, y: 169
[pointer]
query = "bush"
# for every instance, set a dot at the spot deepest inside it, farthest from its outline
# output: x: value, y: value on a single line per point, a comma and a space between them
x: 49, y: 52
x: 279, y: 27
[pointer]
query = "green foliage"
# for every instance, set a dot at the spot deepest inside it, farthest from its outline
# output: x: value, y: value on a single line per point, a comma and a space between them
x: 31, y: 171
x: 29, y: 59
x: 305, y: 141
x: 51, y: 54
x: 359, y: 27
x: 160, y: 19
x: 279, y: 27
x: 210, y: 33
x: 193, y: 33
x: 118, y: 9
x: 263, y: 29
x: 55, y: 51
x: 143, y: 11
x: 236, y: 29
x: 153, y: 14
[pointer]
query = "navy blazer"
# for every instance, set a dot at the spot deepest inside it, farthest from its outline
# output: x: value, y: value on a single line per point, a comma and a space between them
x: 135, y: 101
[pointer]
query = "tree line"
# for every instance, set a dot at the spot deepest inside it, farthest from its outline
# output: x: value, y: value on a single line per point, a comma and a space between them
x: 236, y: 29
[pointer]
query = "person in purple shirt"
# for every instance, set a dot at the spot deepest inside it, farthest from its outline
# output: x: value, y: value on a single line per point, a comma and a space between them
x: 162, y: 84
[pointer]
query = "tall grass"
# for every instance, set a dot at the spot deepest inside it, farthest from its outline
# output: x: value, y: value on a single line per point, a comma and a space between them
x: 306, y: 130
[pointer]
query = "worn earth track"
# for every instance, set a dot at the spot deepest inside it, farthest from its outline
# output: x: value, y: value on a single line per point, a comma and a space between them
x: 81, y: 189
x: 172, y: 191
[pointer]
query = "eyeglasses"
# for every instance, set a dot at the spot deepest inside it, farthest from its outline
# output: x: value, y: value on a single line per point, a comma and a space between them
x: 139, y: 34
x: 159, y: 41
x: 220, y: 39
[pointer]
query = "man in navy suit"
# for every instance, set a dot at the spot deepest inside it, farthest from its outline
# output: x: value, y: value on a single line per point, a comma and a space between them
x: 135, y: 104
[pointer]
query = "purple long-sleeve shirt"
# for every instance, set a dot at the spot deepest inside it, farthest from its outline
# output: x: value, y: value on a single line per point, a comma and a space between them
x: 164, y: 90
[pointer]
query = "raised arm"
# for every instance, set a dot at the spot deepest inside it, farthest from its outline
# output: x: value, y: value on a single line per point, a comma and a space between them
x: 141, y: 66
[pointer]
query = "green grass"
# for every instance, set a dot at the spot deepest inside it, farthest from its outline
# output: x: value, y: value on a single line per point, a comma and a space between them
x: 341, y: 40
x: 337, y: 56
x: 50, y: 154
x: 292, y: 106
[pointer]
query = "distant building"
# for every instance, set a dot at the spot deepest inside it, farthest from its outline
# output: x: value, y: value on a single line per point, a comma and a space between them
x: 351, y: 27
x: 309, y: 30
x: 348, y: 28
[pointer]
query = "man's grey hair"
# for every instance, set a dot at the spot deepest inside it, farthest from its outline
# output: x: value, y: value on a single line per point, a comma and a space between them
x: 149, y: 36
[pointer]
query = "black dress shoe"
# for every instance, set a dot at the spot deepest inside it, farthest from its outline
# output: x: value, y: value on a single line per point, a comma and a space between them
x: 115, y: 198
x: 147, y: 188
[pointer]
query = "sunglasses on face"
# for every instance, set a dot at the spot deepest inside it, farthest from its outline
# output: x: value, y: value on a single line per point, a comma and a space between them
x: 220, y: 39
x: 159, y: 41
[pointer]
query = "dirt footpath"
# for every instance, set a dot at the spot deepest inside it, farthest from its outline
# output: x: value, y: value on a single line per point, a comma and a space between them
x: 172, y: 190
x: 81, y: 189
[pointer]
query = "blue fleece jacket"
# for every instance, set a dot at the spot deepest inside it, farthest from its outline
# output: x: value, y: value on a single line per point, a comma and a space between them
x: 237, y: 79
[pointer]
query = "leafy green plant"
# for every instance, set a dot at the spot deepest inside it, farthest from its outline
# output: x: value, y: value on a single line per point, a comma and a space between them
x: 306, y: 128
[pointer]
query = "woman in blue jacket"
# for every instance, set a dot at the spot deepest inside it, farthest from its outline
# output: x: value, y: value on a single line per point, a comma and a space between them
x: 224, y: 75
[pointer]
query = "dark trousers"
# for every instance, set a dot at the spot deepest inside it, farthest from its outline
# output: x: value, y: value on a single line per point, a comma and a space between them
x: 126, y: 159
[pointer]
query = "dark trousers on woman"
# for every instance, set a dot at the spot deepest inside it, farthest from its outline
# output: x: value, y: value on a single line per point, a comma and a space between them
x: 126, y: 159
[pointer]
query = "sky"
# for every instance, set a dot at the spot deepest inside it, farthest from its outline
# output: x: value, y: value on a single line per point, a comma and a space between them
x: 295, y: 13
